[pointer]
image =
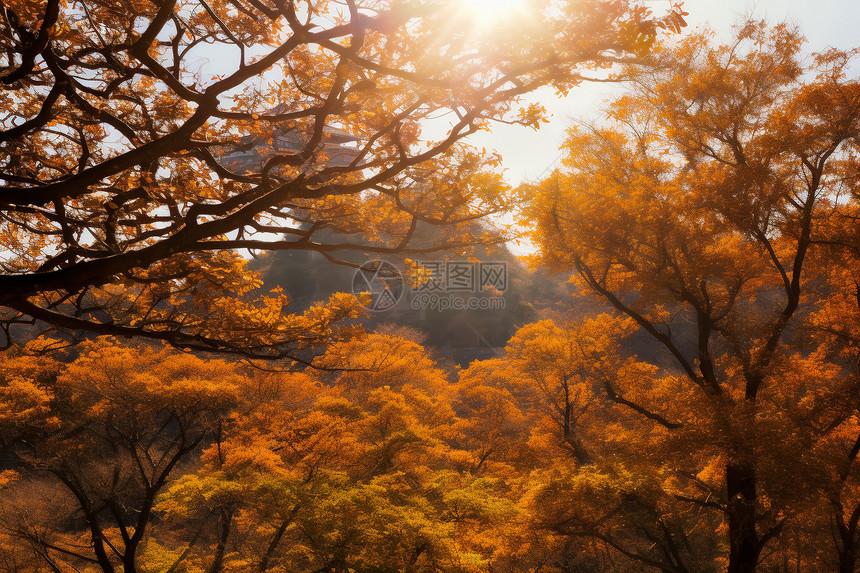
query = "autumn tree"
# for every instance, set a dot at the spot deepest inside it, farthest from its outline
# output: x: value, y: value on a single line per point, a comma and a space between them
x: 336, y: 472
x: 97, y: 441
x: 696, y: 210
x: 123, y: 207
x: 836, y: 325
x: 588, y: 449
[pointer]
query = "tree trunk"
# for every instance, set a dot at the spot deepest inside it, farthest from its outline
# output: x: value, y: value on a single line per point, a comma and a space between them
x: 270, y: 551
x: 848, y: 537
x: 745, y: 546
x: 226, y: 521
x: 847, y: 560
x: 569, y: 430
x: 848, y: 531
x: 99, y: 550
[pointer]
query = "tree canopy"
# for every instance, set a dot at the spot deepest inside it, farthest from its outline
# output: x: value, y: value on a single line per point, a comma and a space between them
x: 705, y: 418
x: 120, y: 214
x: 716, y: 210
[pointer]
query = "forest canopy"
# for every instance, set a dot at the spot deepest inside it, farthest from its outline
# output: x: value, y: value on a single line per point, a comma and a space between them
x: 699, y: 413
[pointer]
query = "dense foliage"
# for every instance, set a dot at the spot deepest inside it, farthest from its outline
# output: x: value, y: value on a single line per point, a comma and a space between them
x: 706, y: 419
x: 717, y: 210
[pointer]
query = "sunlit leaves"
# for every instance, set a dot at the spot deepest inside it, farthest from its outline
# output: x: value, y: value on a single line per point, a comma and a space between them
x: 710, y: 208
x: 124, y: 124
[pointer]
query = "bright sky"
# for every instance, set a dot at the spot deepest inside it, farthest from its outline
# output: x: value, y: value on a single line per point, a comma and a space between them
x: 528, y: 154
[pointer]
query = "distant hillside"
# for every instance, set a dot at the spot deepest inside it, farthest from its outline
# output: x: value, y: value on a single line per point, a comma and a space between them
x: 495, y: 290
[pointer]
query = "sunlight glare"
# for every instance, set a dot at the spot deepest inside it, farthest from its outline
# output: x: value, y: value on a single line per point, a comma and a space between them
x: 488, y: 12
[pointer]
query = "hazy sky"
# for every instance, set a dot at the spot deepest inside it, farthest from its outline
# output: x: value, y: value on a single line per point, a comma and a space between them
x: 527, y: 154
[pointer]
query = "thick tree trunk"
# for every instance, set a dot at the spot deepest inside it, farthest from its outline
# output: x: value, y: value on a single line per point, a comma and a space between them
x: 745, y: 546
x: 847, y: 561
x: 848, y: 537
